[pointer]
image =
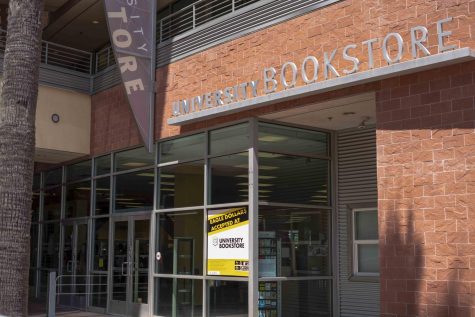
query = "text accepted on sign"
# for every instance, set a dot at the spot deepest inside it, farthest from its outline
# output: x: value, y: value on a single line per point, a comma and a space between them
x: 228, y: 242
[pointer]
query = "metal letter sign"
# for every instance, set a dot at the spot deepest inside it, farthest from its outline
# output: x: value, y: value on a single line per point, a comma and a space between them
x: 132, y: 32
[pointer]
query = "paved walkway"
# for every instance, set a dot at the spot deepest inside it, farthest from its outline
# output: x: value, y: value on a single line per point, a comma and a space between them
x: 74, y: 314
x: 38, y: 309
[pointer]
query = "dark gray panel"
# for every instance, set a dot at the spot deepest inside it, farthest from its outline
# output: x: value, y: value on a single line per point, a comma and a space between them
x: 357, y: 183
x: 106, y: 79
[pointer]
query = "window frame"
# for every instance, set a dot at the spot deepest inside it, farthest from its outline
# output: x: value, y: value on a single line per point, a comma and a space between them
x: 355, y: 243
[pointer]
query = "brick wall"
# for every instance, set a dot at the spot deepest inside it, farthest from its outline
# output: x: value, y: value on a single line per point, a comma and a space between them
x: 243, y: 59
x: 426, y: 188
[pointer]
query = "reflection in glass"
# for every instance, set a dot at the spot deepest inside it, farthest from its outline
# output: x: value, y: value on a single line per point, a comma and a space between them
x: 50, y: 246
x: 78, y: 171
x: 78, y: 199
x: 180, y: 243
x: 36, y: 181
x: 32, y: 282
x: 293, y: 242
x: 182, y: 185
x: 52, y: 203
x: 230, y: 139
x: 99, y: 291
x: 368, y: 258
x: 102, y: 165
x: 185, y: 148
x: 53, y: 177
x: 277, y: 138
x: 102, y: 196
x: 101, y: 244
x: 120, y: 262
x: 33, y: 244
x: 140, y: 262
x: 305, y: 298
x: 366, y: 225
x: 35, y: 206
x: 43, y: 289
x: 178, y: 297
x: 293, y: 179
x: 134, y: 191
x: 228, y: 298
x: 229, y: 178
x: 131, y: 159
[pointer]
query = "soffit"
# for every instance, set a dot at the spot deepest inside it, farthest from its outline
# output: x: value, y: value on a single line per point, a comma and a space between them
x: 80, y: 24
x: 338, y: 114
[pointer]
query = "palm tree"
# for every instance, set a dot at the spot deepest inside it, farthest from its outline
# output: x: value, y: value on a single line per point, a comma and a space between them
x: 17, y: 145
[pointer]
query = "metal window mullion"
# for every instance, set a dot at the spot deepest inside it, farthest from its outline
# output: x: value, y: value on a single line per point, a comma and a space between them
x: 206, y: 184
x: 253, y: 169
x: 333, y: 185
x: 153, y: 236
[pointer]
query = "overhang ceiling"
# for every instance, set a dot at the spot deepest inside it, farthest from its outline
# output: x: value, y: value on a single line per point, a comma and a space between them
x: 338, y: 114
x: 79, y: 23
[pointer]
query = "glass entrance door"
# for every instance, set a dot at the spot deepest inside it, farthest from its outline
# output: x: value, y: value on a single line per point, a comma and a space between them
x: 129, y: 267
x: 74, y: 265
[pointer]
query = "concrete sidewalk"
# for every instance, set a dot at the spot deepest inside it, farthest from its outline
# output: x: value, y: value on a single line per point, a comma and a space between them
x: 75, y: 313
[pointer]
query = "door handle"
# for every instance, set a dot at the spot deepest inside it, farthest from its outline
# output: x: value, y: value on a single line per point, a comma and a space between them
x: 127, y: 272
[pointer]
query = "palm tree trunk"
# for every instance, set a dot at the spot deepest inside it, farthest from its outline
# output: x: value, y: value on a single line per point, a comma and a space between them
x: 17, y: 145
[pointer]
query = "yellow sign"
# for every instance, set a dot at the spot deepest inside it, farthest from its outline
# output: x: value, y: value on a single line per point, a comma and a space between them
x: 228, y: 242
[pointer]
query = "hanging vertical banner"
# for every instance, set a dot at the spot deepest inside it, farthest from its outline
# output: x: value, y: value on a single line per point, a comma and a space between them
x: 228, y: 242
x: 132, y: 32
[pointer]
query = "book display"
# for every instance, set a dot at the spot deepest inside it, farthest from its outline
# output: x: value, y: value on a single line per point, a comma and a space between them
x: 269, y: 262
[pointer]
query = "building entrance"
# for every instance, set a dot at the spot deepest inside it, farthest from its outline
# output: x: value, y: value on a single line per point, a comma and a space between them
x: 129, y: 267
x: 74, y: 264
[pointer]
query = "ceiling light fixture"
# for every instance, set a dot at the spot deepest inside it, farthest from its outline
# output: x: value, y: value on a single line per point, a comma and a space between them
x: 95, y: 22
x: 363, y: 122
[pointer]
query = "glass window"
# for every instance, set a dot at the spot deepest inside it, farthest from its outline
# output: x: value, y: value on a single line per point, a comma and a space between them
x: 78, y: 199
x: 53, y: 177
x: 277, y: 138
x: 230, y: 139
x: 182, y: 185
x: 180, y: 243
x: 178, y: 297
x: 78, y: 171
x: 52, y: 203
x: 365, y: 242
x: 227, y: 298
x: 50, y: 246
x: 294, y: 242
x: 134, y: 191
x: 35, y: 206
x: 131, y: 159
x: 101, y: 244
x: 295, y: 298
x: 99, y: 291
x: 102, y: 165
x: 185, y: 148
x: 36, y: 181
x: 33, y: 244
x: 229, y: 178
x: 102, y: 196
x: 293, y: 179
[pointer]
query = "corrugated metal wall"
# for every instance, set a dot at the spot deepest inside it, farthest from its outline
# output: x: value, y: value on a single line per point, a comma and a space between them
x: 357, y: 184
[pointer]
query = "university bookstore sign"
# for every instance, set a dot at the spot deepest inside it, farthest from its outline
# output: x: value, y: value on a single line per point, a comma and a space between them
x: 312, y: 72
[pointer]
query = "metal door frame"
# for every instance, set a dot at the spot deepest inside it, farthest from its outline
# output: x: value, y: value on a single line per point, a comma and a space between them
x: 130, y: 220
x: 75, y: 223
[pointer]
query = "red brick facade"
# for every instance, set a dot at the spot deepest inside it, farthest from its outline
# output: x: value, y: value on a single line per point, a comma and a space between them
x: 426, y: 189
x: 425, y: 137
